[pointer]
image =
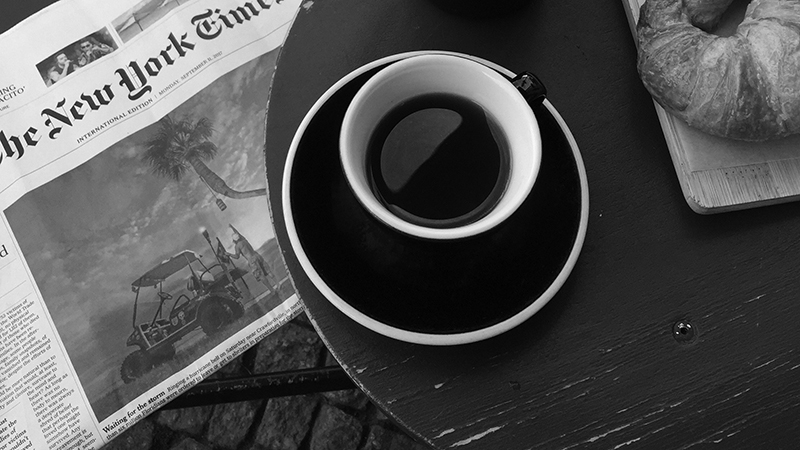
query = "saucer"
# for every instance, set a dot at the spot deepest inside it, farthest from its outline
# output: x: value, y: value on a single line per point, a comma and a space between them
x: 421, y: 291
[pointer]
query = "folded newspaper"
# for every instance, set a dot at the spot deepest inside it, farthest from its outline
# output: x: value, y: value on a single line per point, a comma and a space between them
x: 137, y: 253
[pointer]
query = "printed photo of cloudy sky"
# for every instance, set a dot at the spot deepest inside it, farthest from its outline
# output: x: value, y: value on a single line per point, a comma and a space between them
x: 90, y: 233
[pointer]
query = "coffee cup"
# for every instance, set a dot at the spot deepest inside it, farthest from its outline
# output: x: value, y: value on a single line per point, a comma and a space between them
x: 440, y: 147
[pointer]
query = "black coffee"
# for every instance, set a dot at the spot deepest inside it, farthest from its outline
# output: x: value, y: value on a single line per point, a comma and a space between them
x: 438, y: 160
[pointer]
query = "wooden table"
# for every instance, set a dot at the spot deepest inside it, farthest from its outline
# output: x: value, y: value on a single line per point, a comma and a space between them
x: 15, y: 12
x: 611, y: 361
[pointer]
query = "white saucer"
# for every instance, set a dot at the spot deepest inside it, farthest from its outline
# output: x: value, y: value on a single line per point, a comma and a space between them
x: 431, y: 292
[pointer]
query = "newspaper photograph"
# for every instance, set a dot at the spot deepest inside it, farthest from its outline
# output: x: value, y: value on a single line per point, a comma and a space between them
x: 137, y: 253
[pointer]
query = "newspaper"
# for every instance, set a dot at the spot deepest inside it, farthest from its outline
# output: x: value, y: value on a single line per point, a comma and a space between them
x: 137, y: 254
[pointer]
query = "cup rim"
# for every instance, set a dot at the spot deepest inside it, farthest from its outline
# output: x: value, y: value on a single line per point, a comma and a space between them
x: 521, y: 179
x: 399, y: 333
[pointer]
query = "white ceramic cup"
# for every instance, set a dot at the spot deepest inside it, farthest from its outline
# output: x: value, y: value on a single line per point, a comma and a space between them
x: 509, y: 115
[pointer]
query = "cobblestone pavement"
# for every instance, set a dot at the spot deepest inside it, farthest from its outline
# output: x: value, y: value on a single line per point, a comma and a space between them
x: 340, y: 420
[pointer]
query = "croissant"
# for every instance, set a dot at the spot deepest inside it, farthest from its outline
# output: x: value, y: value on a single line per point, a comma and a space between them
x: 745, y: 86
x: 705, y: 14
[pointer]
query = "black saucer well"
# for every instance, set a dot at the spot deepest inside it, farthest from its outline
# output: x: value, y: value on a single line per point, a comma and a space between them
x: 431, y: 287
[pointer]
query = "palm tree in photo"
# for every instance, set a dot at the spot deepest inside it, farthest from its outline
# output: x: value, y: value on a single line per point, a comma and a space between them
x: 179, y: 145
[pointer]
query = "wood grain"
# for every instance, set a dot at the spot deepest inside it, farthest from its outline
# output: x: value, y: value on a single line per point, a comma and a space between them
x: 597, y: 367
x: 718, y: 175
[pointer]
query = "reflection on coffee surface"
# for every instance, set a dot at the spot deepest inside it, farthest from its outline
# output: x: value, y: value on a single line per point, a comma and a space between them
x: 438, y: 160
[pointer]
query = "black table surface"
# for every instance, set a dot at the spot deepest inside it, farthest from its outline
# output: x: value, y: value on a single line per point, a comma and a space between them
x: 14, y: 12
x: 600, y: 366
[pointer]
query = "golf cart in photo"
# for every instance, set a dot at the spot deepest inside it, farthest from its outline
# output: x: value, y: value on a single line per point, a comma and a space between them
x: 189, y: 295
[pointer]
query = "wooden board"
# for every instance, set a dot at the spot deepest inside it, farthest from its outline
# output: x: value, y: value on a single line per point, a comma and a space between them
x: 717, y: 174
